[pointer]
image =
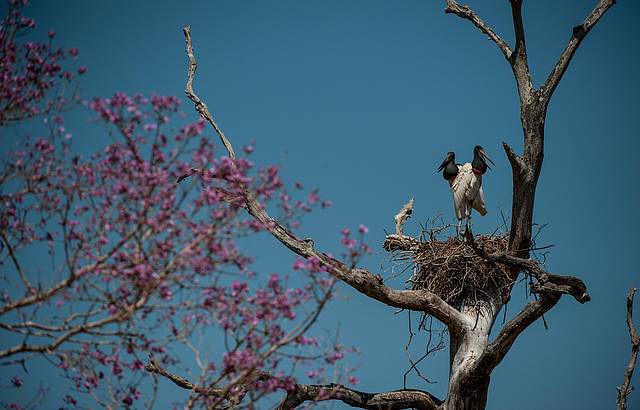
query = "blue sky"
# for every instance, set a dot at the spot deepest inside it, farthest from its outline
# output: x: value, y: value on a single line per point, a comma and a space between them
x: 363, y: 99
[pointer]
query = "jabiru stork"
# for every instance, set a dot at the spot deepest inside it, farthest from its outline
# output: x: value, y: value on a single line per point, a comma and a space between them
x: 466, y: 183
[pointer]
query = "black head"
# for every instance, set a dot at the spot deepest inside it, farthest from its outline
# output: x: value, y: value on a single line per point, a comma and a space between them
x: 451, y: 156
x: 481, y: 155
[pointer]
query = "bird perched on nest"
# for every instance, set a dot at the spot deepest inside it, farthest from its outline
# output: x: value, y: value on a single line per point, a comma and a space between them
x: 466, y: 183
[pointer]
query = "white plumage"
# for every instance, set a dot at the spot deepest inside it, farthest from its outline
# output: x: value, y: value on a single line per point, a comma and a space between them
x: 467, y: 192
x: 465, y: 182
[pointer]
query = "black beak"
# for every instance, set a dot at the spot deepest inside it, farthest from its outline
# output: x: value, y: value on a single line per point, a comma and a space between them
x: 486, y: 158
x: 445, y: 162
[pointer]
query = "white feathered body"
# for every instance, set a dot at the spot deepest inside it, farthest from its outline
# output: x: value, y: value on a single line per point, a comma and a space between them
x: 467, y: 192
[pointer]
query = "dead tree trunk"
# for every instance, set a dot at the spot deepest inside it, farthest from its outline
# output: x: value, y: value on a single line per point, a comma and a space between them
x: 473, y: 356
x: 468, y: 384
x: 466, y: 390
x: 526, y: 170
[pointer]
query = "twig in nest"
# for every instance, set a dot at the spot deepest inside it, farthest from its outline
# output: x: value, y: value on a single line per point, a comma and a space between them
x: 451, y: 268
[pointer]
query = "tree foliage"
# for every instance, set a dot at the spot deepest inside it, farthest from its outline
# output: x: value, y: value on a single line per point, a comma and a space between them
x: 106, y: 259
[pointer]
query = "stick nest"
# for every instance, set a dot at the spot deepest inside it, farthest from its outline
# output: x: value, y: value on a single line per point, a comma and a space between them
x: 450, y: 268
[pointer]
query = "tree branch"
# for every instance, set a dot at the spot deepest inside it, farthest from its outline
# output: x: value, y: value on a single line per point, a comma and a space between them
x: 518, y: 27
x: 393, y: 400
x: 69, y: 281
x: 16, y: 263
x: 219, y: 392
x: 399, y: 399
x: 549, y: 286
x: 496, y: 351
x: 360, y: 279
x: 517, y: 163
x: 78, y: 329
x: 519, y: 61
x: 200, y: 106
x: 517, y: 58
x: 624, y: 390
x: 466, y: 13
x: 578, y: 34
x: 546, y: 282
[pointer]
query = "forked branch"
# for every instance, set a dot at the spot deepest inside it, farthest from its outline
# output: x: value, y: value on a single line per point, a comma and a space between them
x: 546, y: 282
x: 578, y: 34
x: 518, y: 164
x: 300, y: 393
x: 496, y: 351
x: 222, y: 393
x: 519, y: 60
x: 550, y: 288
x: 466, y: 13
x: 624, y: 390
x: 362, y: 280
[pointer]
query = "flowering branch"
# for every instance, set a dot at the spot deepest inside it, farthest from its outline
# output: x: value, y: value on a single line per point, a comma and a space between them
x: 300, y: 393
x: 144, y: 263
x: 218, y: 392
x: 34, y: 80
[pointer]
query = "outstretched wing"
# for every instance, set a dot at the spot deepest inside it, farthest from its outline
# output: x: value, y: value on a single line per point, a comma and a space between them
x: 479, y: 204
x: 462, y: 190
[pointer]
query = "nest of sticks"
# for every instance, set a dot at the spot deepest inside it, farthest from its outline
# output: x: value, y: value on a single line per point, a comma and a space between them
x: 449, y: 266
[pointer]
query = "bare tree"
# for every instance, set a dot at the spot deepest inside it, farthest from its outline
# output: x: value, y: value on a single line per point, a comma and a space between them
x: 473, y: 357
x: 625, y: 389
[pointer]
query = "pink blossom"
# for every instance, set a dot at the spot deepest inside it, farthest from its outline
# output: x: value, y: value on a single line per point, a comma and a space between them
x: 70, y: 400
x: 313, y: 374
x: 16, y: 381
x: 158, y: 261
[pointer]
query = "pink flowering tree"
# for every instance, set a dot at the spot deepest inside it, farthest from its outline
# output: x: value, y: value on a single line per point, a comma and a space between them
x: 36, y: 77
x: 116, y: 261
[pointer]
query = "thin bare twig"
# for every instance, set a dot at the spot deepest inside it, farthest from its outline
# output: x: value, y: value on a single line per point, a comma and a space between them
x: 466, y: 13
x: 200, y: 106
